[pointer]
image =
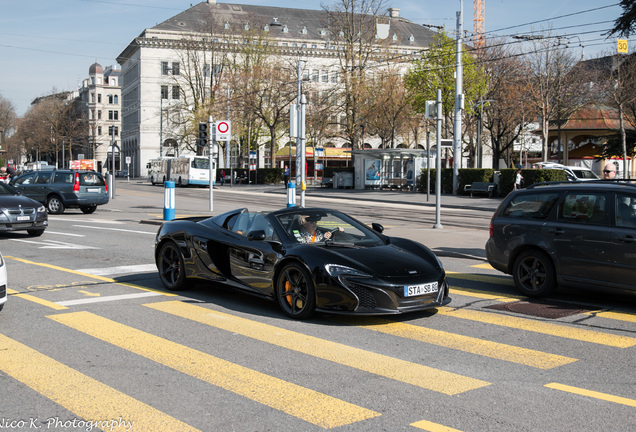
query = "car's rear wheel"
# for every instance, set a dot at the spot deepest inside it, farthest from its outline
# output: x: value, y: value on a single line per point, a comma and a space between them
x: 55, y: 205
x: 534, y: 274
x: 88, y: 209
x: 171, y: 267
x: 295, y: 292
x: 35, y: 232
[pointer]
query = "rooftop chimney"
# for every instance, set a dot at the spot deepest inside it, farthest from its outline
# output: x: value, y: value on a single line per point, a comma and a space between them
x: 394, y: 12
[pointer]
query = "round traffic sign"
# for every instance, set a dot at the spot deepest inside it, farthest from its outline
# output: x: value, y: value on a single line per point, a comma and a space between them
x: 222, y: 127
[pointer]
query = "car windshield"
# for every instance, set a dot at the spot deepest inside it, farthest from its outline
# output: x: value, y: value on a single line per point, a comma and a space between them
x: 326, y: 227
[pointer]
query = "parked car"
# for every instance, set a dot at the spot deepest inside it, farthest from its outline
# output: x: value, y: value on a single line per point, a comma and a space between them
x: 572, y: 173
x: 580, y: 234
x: 61, y: 189
x: 3, y: 282
x: 356, y: 270
x: 20, y: 213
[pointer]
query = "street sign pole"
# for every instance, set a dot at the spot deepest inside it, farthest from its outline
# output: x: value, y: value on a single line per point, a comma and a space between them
x: 211, y: 161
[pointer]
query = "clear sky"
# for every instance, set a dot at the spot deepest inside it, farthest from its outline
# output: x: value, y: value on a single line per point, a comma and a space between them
x: 48, y: 45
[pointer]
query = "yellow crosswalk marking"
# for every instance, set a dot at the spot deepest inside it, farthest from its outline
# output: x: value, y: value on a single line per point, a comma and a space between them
x: 619, y: 316
x: 593, y: 394
x: 80, y: 394
x: 499, y: 280
x: 473, y: 345
x: 309, y: 405
x: 558, y: 330
x: 35, y: 299
x: 400, y: 370
x: 433, y: 427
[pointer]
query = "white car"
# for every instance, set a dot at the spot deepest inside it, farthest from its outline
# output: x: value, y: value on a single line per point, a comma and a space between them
x: 3, y: 282
x: 573, y: 173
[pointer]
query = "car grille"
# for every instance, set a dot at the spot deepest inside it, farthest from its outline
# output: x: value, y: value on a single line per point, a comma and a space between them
x: 21, y: 211
x: 365, y: 297
x: 3, y: 291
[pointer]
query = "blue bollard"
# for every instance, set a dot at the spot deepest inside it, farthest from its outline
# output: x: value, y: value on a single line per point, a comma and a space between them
x: 291, y: 194
x: 168, y: 201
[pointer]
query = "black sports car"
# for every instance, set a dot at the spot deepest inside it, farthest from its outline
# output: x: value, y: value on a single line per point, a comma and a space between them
x: 308, y: 259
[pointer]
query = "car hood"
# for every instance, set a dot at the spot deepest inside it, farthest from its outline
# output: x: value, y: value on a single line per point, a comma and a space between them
x: 388, y: 261
x: 7, y: 201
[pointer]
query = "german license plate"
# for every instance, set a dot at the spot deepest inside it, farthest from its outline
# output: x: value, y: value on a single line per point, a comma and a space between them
x: 93, y: 189
x: 415, y: 290
x: 24, y: 218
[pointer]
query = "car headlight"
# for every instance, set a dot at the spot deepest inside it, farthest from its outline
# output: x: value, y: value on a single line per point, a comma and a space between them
x: 336, y: 270
x: 41, y: 209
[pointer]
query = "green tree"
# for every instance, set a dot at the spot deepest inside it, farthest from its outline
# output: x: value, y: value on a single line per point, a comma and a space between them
x: 436, y: 70
x: 624, y: 24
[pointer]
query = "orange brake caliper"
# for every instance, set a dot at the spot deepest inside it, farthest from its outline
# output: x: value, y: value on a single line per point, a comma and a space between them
x: 288, y: 287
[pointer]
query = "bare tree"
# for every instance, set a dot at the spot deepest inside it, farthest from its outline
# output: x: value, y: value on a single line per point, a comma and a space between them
x: 353, y: 29
x: 552, y: 87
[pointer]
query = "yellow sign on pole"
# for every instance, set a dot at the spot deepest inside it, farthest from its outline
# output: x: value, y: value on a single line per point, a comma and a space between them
x: 622, y: 46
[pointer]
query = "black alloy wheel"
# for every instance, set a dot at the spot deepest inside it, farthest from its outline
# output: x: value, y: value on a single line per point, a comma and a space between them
x: 54, y: 205
x: 171, y: 267
x: 533, y: 273
x: 295, y: 292
x: 35, y: 232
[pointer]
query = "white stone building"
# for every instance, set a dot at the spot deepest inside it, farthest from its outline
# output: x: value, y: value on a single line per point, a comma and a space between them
x: 153, y: 64
x: 100, y: 94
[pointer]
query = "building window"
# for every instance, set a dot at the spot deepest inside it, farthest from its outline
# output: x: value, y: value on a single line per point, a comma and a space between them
x: 92, y: 97
x: 99, y: 114
x: 175, y: 92
x: 325, y: 76
x: 99, y: 130
x: 110, y: 99
x: 99, y: 98
x: 113, y: 115
x: 175, y: 68
x: 116, y: 99
x: 113, y: 131
x: 164, y: 68
x: 164, y: 92
x: 314, y: 75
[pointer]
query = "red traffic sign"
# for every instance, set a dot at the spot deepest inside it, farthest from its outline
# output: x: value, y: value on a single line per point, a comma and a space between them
x: 223, y: 130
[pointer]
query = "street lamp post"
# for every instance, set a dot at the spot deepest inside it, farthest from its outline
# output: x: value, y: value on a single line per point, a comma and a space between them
x: 478, y: 155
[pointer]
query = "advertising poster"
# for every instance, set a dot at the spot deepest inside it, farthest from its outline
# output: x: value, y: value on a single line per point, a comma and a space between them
x: 372, y: 171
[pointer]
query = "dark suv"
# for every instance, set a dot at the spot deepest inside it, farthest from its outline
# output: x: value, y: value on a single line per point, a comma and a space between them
x: 576, y: 234
x: 60, y: 189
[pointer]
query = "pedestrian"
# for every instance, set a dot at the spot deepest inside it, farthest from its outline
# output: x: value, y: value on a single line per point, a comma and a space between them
x: 518, y: 180
x: 222, y: 177
x: 609, y: 172
x: 286, y: 175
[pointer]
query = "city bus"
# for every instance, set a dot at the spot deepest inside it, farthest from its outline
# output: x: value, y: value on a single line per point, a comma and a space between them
x: 183, y: 171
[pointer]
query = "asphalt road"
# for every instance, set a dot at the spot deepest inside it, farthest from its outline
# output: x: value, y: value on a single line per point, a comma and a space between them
x: 90, y: 340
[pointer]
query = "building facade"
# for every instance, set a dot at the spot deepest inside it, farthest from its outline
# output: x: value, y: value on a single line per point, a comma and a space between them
x: 158, y: 66
x: 100, y: 95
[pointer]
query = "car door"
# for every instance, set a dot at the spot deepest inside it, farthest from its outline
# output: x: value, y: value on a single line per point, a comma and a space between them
x: 579, y: 236
x: 34, y: 185
x: 252, y: 261
x: 623, y: 238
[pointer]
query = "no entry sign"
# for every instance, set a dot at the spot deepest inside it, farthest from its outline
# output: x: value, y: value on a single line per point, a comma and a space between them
x: 223, y: 130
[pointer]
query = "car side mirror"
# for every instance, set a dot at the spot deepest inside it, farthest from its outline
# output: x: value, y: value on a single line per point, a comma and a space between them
x: 256, y: 235
x: 377, y: 227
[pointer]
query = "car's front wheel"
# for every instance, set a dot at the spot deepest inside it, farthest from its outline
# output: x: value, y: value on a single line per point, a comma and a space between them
x: 295, y: 292
x: 55, y: 205
x: 88, y: 209
x: 534, y: 274
x: 35, y: 232
x: 171, y: 267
